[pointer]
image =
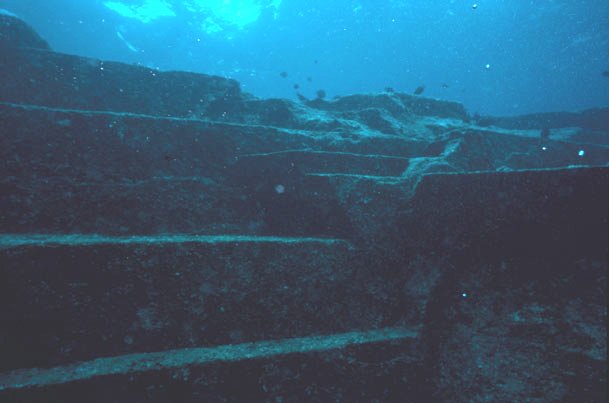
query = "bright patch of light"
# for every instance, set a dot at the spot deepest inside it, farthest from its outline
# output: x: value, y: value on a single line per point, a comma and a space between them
x: 222, y: 14
x: 581, y: 153
x: 210, y: 26
x: 213, y: 15
x: 146, y: 11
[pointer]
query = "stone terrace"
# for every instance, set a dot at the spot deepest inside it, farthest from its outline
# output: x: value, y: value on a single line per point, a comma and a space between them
x: 167, y: 237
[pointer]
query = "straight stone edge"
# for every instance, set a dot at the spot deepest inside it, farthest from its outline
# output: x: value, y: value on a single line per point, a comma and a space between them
x: 17, y: 240
x: 143, y: 362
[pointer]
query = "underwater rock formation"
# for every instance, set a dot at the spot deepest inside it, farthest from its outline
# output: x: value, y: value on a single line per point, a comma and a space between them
x: 165, y: 236
x: 15, y: 33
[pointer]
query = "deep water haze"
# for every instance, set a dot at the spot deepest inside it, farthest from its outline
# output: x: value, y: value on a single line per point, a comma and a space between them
x: 498, y: 57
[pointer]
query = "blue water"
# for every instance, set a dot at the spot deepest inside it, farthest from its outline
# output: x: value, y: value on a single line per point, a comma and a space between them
x: 501, y: 57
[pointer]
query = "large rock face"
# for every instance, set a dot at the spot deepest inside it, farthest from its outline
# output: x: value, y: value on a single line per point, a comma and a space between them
x: 15, y: 33
x: 167, y: 237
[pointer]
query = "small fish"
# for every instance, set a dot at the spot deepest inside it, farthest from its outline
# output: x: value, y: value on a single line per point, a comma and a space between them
x: 606, y: 73
x: 296, y: 86
x: 309, y: 79
x: 284, y: 74
x: 444, y: 85
x: 419, y: 90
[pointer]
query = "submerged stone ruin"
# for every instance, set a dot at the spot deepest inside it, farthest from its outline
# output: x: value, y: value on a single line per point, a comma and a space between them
x: 165, y: 236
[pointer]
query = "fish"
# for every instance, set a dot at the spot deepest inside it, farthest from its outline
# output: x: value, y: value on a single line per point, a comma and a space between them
x: 419, y: 90
x: 606, y: 73
x: 284, y: 74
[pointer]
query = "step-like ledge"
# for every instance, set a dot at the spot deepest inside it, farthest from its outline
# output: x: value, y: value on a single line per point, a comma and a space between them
x: 17, y: 240
x: 131, y: 363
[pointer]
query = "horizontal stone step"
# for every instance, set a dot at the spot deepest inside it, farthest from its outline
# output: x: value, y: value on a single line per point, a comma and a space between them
x: 77, y: 297
x: 244, y: 202
x: 315, y: 161
x: 144, y: 362
x: 105, y: 146
x: 60, y: 80
x: 167, y: 144
x: 95, y: 146
x: 524, y: 211
x: 17, y: 240
x: 520, y: 209
x: 381, y: 365
x: 386, y: 179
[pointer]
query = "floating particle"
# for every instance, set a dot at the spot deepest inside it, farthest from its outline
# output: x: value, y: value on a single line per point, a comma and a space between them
x: 581, y: 153
x: 280, y: 189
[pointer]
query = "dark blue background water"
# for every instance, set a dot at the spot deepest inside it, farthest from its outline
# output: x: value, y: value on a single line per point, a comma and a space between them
x: 543, y: 55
